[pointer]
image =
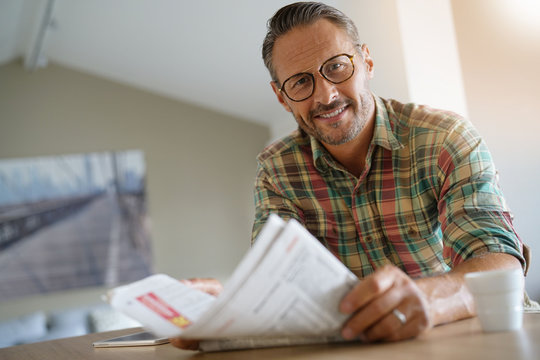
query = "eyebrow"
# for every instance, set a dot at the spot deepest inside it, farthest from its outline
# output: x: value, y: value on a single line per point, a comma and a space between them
x: 318, y: 68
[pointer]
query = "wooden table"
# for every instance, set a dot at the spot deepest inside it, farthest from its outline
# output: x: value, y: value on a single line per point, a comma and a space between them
x: 456, y: 341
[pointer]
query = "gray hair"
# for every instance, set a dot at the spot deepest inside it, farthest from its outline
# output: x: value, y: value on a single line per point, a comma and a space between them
x: 301, y: 14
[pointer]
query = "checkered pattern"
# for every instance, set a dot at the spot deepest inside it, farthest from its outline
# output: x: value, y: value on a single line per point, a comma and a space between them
x: 427, y: 199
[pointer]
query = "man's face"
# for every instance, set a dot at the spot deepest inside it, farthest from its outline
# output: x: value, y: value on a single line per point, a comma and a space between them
x: 335, y: 113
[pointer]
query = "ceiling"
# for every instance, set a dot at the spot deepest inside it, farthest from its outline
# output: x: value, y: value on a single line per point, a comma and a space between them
x: 204, y: 52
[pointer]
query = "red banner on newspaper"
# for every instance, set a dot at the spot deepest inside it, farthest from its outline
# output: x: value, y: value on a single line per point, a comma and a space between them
x: 160, y: 307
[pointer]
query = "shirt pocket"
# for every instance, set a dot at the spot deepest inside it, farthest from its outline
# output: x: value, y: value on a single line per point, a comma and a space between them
x: 419, y: 246
x: 340, y: 237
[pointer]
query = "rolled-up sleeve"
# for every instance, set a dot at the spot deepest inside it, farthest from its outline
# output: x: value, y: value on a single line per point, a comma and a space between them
x: 473, y: 214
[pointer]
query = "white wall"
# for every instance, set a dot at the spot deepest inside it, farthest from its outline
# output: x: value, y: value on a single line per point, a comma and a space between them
x: 200, y: 164
x: 378, y: 28
x: 431, y: 56
x: 499, y: 50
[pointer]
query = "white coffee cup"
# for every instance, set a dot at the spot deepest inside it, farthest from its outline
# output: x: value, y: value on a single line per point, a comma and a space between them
x: 498, y: 297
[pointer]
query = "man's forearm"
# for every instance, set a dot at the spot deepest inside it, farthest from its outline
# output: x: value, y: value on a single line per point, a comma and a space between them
x: 447, y: 295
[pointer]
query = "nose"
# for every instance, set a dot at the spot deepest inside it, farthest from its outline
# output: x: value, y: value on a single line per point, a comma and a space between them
x: 325, y: 92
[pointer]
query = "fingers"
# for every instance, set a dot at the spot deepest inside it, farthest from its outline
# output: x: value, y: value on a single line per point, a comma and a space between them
x: 389, y: 328
x: 185, y: 344
x: 392, y: 328
x: 207, y: 285
x: 373, y: 301
x: 367, y: 290
x: 373, y: 312
x: 410, y: 330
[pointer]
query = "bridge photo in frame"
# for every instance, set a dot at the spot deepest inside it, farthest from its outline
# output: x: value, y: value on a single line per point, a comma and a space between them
x: 72, y: 221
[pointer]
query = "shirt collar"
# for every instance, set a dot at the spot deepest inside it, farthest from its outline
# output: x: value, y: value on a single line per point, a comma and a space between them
x: 383, y: 135
x: 385, y: 121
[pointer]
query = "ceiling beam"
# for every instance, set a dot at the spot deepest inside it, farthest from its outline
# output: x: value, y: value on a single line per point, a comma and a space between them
x: 35, y: 56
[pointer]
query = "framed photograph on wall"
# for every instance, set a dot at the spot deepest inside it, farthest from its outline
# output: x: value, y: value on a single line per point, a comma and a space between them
x: 73, y: 221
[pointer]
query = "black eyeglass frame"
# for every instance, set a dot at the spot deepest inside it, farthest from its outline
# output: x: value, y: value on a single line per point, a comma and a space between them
x: 282, y: 88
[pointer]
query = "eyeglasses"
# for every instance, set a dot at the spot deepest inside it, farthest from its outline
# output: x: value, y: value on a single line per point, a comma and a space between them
x: 337, y: 69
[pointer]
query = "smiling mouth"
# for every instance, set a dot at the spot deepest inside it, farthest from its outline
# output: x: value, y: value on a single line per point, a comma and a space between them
x: 333, y: 113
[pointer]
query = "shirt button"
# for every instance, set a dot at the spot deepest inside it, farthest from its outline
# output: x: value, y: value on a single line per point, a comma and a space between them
x: 369, y: 239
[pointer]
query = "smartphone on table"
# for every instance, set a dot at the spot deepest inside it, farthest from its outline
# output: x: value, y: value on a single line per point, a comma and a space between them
x: 143, y: 338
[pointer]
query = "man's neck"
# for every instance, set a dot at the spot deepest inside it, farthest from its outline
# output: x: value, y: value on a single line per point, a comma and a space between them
x: 352, y: 155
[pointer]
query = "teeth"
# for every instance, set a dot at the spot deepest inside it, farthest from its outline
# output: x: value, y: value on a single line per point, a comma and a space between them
x: 332, y: 114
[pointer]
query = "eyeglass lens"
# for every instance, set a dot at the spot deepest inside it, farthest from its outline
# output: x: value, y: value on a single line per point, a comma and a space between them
x: 336, y: 70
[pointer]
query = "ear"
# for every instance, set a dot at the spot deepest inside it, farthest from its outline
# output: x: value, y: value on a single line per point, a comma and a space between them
x: 368, y: 61
x: 280, y: 96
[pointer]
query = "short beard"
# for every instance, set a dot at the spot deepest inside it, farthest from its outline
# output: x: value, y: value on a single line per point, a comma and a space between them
x: 345, y: 137
x: 359, y: 121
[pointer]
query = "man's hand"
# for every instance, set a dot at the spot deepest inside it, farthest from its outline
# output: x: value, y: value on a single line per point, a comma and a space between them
x: 388, y: 305
x: 209, y: 286
x: 372, y: 303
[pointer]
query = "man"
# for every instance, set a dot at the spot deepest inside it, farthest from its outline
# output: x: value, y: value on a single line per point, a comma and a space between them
x: 404, y: 195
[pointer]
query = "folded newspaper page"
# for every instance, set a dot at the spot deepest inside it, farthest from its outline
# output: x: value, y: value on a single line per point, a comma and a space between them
x: 286, y: 289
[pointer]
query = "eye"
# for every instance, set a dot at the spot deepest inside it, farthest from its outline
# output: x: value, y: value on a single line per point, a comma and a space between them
x: 300, y: 81
x: 334, y: 67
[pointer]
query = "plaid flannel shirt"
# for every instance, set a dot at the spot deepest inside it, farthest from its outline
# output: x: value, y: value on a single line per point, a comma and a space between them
x: 427, y: 199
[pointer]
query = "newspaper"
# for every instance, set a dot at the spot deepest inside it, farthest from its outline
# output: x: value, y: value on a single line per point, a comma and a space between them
x: 286, y: 290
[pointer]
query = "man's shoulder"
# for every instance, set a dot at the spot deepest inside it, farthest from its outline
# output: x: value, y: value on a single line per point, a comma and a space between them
x: 285, y: 146
x: 423, y: 117
x: 422, y: 126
